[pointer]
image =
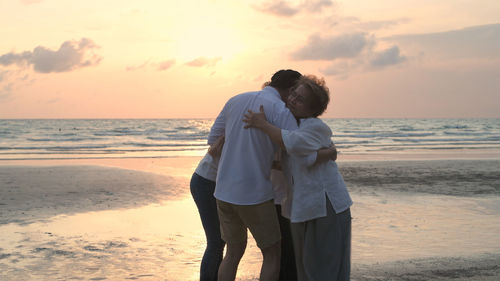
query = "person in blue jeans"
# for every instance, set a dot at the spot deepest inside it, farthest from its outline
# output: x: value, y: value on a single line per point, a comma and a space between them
x: 202, y: 187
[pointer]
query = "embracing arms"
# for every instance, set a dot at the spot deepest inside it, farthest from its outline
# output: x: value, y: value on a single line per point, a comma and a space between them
x: 258, y: 120
x: 215, y: 150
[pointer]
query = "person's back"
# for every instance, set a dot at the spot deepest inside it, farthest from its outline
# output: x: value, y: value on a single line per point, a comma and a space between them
x: 245, y: 165
x: 243, y: 191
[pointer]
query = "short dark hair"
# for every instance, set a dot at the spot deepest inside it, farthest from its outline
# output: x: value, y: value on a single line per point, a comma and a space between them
x: 320, y: 94
x: 284, y: 79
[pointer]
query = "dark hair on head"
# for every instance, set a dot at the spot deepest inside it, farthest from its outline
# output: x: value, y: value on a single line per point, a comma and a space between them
x: 283, y: 79
x: 320, y: 94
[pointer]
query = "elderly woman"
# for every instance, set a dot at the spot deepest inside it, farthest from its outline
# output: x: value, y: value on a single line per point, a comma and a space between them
x: 318, y: 202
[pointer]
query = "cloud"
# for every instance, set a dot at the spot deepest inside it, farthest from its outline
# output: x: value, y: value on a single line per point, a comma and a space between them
x: 387, y: 57
x: 347, y: 53
x: 202, y: 61
x: 317, y: 5
x: 5, y: 96
x: 70, y: 56
x: 475, y: 45
x: 8, y: 87
x: 6, y: 91
x: 472, y: 42
x: 10, y: 80
x: 18, y: 59
x: 164, y: 65
x: 160, y: 66
x: 355, y: 24
x: 29, y: 2
x: 370, y: 60
x: 330, y: 48
x: 278, y: 8
x: 341, y: 70
x: 136, y: 67
x: 3, y: 74
x: 284, y: 8
x: 382, y: 24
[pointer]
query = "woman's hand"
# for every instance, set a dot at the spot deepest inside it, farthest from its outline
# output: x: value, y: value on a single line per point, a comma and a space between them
x: 333, y: 152
x: 259, y: 121
x: 255, y: 119
x: 215, y: 150
x: 326, y: 154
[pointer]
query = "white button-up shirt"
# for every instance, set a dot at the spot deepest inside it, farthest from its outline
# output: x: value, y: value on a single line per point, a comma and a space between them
x: 311, y: 183
x: 207, y: 168
x: 245, y: 165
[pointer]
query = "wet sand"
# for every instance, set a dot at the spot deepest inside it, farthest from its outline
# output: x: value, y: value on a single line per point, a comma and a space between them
x: 133, y: 219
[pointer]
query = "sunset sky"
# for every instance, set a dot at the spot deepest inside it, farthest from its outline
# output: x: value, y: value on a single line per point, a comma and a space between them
x: 184, y: 59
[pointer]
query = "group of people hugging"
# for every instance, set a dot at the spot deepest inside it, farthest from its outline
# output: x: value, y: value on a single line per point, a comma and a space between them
x: 271, y: 169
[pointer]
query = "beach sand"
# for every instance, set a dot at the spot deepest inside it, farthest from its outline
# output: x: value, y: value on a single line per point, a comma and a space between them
x: 134, y: 219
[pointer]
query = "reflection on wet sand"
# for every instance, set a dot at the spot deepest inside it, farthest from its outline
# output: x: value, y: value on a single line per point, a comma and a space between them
x: 159, y: 241
x: 100, y: 223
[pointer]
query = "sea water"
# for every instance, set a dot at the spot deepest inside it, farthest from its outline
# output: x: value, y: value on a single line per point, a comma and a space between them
x: 129, y: 138
x: 402, y: 211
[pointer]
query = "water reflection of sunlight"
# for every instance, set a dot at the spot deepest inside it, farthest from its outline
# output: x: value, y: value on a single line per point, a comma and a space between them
x: 162, y: 240
x: 166, y: 241
x: 174, y: 218
x: 395, y: 226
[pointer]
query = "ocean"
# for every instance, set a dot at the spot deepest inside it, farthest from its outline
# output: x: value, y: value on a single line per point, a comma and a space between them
x: 122, y: 209
x: 33, y: 139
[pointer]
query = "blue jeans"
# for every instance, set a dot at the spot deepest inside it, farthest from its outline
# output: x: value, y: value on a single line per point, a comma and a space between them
x: 202, y: 191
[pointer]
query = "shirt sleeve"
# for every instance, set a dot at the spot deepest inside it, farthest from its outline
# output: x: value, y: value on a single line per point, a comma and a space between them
x: 307, y: 139
x: 284, y: 120
x: 219, y: 126
x: 311, y: 158
x: 306, y: 160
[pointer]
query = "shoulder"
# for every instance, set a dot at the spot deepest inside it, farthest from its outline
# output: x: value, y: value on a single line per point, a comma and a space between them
x: 245, y: 95
x: 272, y: 100
x: 283, y: 117
x: 240, y: 98
x: 313, y: 123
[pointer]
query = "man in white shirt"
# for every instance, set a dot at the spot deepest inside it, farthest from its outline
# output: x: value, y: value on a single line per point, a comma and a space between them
x: 244, y: 191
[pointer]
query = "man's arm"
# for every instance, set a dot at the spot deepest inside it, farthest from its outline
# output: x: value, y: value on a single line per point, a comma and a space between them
x: 219, y: 127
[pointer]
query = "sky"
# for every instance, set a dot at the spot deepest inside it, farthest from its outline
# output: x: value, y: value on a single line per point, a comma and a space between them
x: 184, y: 59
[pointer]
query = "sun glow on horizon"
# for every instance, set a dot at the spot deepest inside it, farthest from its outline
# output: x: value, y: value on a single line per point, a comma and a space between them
x: 168, y: 59
x: 208, y: 41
